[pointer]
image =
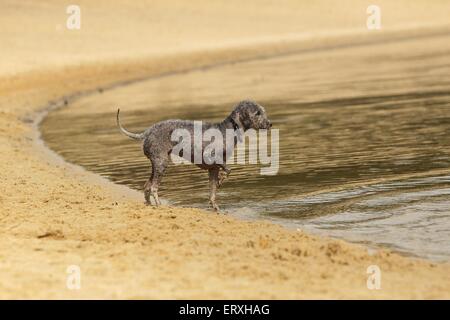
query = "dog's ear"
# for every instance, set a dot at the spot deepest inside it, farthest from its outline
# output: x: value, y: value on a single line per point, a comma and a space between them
x: 239, y: 135
x: 236, y: 116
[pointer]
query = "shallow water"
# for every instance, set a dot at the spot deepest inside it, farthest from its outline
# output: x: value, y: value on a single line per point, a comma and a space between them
x: 364, y: 140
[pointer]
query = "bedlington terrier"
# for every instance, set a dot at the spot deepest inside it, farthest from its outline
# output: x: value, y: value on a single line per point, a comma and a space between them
x: 158, y: 144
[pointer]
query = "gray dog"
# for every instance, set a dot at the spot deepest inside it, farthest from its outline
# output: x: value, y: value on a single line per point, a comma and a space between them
x: 158, y: 145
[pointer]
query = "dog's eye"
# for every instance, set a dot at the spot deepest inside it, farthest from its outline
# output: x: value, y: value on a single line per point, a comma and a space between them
x: 258, y: 113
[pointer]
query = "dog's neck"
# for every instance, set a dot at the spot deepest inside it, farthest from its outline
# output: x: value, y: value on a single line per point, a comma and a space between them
x: 229, y: 123
x: 234, y: 124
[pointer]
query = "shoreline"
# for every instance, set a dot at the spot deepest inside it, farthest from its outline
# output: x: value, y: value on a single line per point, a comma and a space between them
x: 129, y: 250
x: 66, y: 101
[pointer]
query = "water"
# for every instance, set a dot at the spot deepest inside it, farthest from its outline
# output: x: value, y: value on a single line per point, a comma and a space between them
x: 364, y: 140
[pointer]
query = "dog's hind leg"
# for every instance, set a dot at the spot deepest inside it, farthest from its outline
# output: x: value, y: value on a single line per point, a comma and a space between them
x: 213, y: 185
x: 223, y: 174
x: 147, y: 189
x: 159, y: 166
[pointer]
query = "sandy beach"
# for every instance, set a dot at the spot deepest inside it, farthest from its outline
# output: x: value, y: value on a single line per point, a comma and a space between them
x: 54, y: 214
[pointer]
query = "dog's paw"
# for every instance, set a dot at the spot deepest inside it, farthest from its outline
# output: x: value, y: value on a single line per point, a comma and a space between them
x: 215, y: 207
x: 222, y: 177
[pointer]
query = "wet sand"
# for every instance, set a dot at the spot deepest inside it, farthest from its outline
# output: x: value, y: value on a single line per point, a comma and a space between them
x: 53, y: 214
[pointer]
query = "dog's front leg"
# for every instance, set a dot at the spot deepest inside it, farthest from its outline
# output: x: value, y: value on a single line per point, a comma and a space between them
x: 213, y: 184
x: 223, y: 174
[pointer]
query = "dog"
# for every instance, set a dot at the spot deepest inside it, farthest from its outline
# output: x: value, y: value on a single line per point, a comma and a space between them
x: 158, y: 145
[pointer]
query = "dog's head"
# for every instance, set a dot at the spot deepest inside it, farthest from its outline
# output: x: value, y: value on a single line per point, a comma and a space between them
x: 250, y: 115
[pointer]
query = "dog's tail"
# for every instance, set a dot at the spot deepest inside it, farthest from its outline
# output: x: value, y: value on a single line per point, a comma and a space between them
x: 135, y: 136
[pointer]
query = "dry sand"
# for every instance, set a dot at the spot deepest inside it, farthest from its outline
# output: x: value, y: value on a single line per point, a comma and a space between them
x: 53, y: 215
